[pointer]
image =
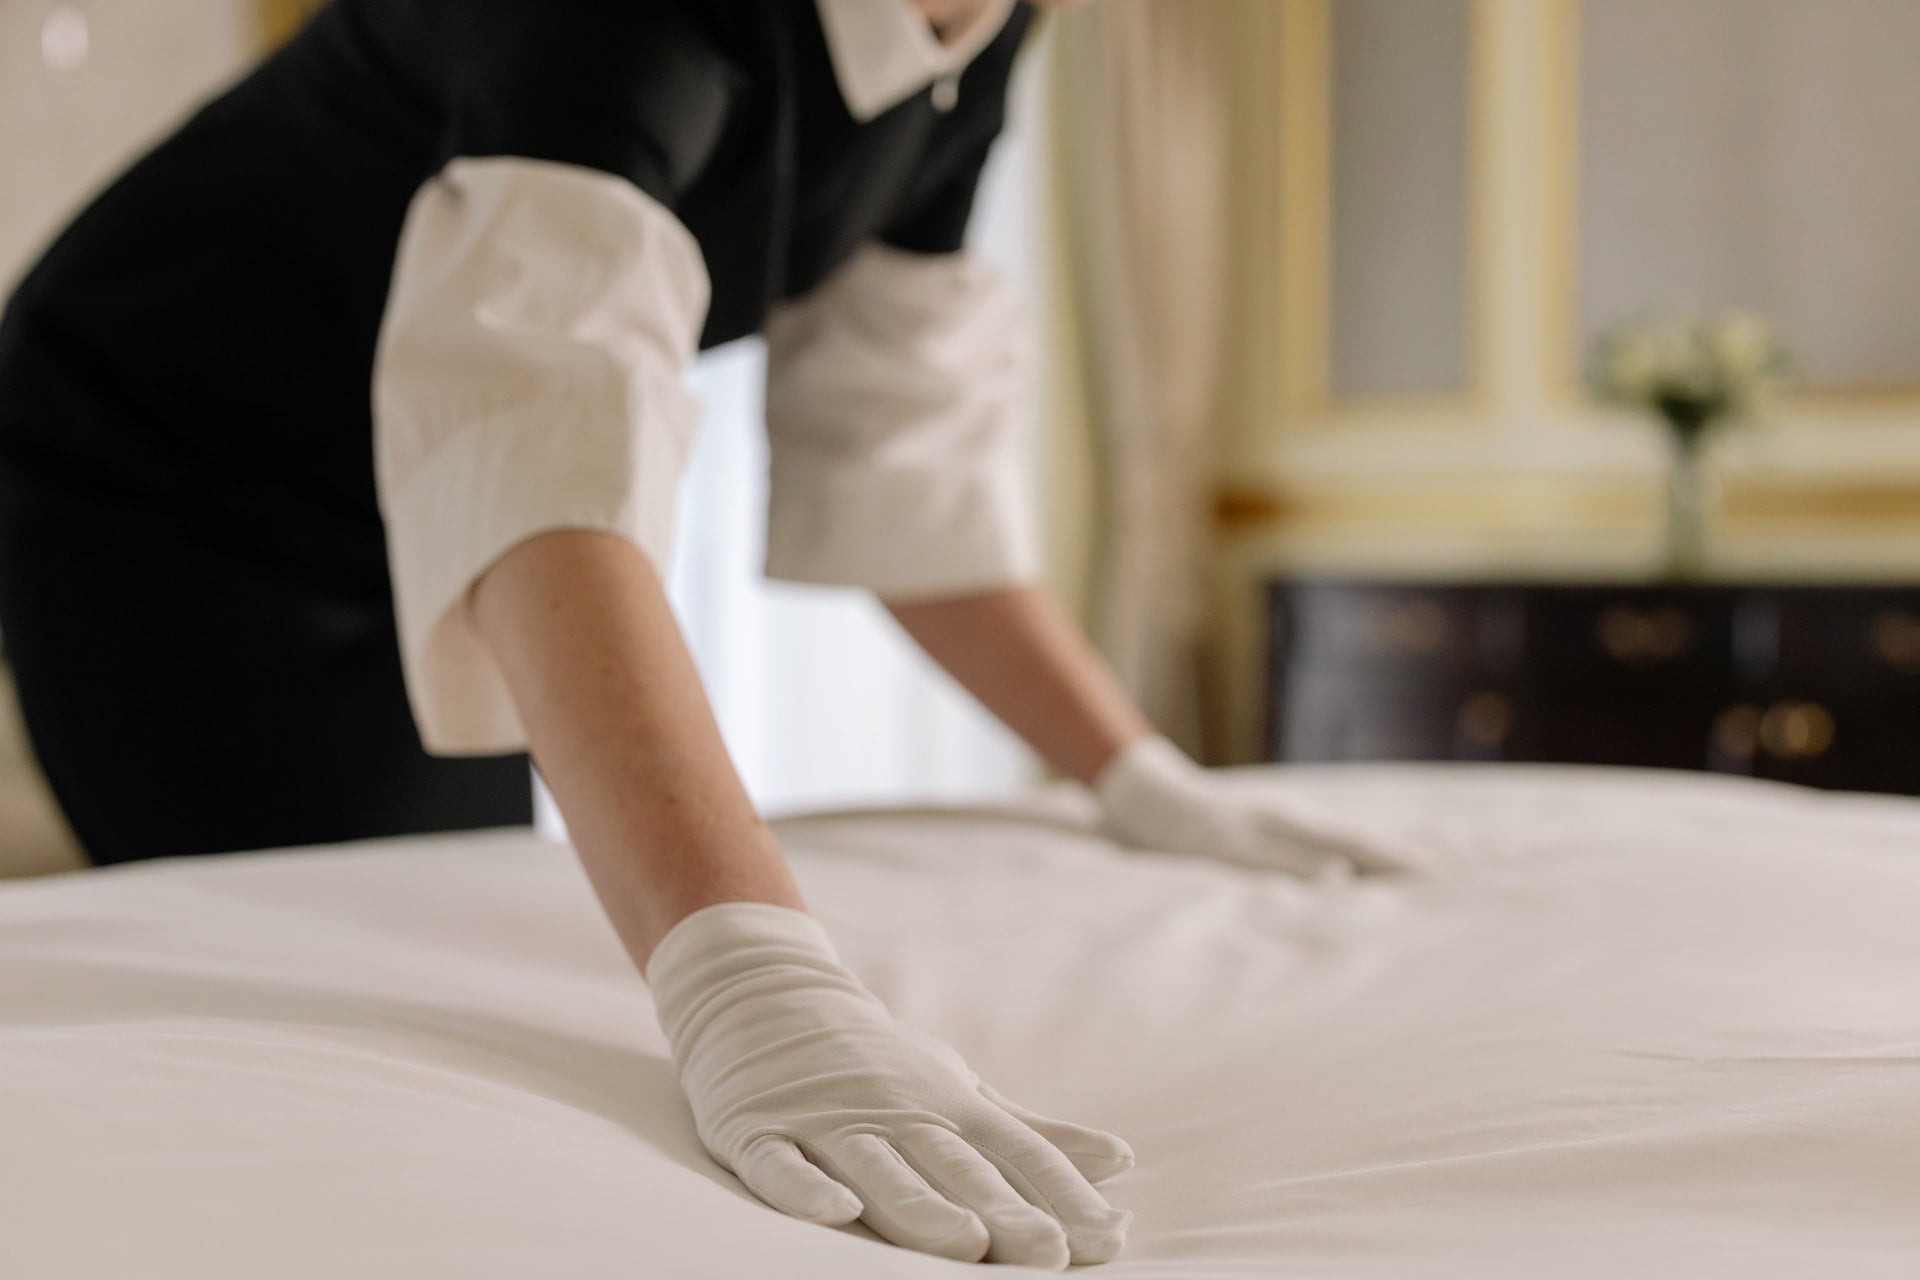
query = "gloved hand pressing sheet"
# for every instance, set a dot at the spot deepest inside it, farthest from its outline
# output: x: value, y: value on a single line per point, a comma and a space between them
x: 1153, y: 797
x: 829, y: 1109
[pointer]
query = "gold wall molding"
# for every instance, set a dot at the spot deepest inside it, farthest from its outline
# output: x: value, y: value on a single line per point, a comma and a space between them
x: 1306, y: 206
x: 1483, y: 208
x: 1532, y: 502
x: 1847, y: 504
x: 1521, y: 503
x: 1560, y: 186
x: 1305, y: 198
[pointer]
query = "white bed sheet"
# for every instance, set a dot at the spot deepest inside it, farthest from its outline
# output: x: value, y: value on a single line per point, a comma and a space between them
x: 1632, y: 1024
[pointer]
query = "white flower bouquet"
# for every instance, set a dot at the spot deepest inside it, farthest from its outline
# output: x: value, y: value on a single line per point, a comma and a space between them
x: 1692, y: 373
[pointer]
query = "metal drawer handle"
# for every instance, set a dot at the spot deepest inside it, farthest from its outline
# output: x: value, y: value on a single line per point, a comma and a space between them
x: 1797, y: 730
x: 1785, y: 730
x: 1643, y: 637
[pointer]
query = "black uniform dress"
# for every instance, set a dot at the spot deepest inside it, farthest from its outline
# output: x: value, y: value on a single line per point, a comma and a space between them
x: 194, y: 589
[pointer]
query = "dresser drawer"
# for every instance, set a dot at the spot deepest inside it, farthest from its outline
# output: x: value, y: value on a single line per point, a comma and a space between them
x: 1834, y: 640
x: 1628, y: 640
x: 1811, y: 685
x: 1390, y: 631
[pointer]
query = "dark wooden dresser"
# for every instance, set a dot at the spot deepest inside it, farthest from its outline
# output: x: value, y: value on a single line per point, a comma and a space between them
x: 1816, y: 685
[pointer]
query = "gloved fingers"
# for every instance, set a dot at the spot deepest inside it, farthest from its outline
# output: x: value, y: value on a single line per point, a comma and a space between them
x: 899, y: 1203
x: 1312, y: 845
x: 774, y: 1170
x: 1273, y: 844
x: 1371, y: 855
x: 1022, y: 1233
x: 1042, y: 1174
x: 1097, y: 1155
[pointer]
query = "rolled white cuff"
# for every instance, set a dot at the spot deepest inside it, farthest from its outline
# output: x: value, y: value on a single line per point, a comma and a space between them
x: 899, y: 400
x: 530, y: 377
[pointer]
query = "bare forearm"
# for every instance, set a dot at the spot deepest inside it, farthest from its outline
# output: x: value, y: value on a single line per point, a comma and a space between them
x: 1025, y: 660
x: 622, y: 732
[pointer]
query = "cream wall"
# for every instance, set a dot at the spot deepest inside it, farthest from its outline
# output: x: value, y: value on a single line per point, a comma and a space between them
x: 74, y: 107
x: 84, y: 86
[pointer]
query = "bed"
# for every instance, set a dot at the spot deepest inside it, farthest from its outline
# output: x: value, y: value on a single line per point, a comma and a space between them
x: 1626, y: 1024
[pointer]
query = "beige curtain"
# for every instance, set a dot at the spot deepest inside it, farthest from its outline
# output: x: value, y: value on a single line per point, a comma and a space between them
x: 1142, y: 131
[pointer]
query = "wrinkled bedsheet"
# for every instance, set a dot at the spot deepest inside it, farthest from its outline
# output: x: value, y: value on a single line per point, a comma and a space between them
x: 1627, y: 1024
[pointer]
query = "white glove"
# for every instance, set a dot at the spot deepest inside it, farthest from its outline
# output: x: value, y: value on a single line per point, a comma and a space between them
x: 1153, y: 797
x: 830, y: 1110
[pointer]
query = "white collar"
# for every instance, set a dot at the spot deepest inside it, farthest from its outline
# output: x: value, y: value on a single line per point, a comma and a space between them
x: 884, y: 51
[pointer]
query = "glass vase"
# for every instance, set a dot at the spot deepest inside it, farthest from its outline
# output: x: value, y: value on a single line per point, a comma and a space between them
x: 1689, y: 503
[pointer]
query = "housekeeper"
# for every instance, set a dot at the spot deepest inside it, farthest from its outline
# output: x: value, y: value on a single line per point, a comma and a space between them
x: 339, y: 442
